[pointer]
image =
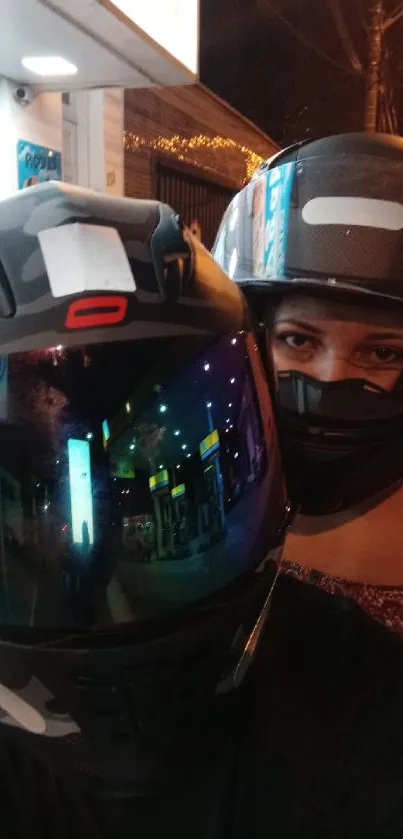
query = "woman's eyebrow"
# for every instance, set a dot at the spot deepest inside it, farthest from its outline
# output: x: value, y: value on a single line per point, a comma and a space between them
x: 384, y: 336
x: 309, y: 327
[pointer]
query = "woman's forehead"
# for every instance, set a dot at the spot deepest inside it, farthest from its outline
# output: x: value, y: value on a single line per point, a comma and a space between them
x: 303, y: 307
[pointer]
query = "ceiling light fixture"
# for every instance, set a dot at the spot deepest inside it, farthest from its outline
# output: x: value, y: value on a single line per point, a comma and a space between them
x: 49, y: 65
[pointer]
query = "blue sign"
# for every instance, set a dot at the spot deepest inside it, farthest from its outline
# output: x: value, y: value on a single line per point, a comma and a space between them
x: 270, y: 220
x: 3, y: 386
x: 37, y: 164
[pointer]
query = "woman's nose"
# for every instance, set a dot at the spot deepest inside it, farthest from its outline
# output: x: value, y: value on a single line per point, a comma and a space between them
x: 333, y: 368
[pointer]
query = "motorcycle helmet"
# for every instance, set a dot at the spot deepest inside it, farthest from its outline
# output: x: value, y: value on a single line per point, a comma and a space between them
x: 142, y: 504
x: 325, y: 219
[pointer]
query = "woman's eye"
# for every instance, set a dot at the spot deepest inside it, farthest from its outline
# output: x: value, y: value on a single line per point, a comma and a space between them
x: 385, y: 355
x: 295, y: 340
x: 380, y: 356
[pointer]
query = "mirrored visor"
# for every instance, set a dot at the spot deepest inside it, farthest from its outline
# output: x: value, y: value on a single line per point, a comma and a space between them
x: 136, y: 479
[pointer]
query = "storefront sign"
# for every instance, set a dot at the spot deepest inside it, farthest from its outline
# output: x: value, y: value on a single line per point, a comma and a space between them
x: 209, y: 445
x: 37, y: 164
x: 178, y: 491
x: 159, y: 481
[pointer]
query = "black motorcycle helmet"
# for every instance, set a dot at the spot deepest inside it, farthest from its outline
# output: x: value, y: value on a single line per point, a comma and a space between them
x: 142, y: 505
x: 325, y: 218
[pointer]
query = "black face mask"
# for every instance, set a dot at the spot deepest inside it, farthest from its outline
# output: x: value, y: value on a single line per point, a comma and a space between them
x: 342, y: 441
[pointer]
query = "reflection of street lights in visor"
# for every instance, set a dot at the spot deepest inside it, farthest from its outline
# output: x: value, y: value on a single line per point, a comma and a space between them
x: 206, y: 368
x: 132, y: 447
x: 90, y: 435
x: 176, y: 433
x: 163, y: 409
x: 232, y: 381
x: 209, y: 404
x: 184, y: 446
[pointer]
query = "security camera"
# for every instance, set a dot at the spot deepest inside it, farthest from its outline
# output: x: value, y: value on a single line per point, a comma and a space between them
x: 24, y: 94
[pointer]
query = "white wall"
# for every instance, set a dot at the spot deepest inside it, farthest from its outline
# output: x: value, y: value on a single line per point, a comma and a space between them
x: 40, y: 122
x: 113, y: 141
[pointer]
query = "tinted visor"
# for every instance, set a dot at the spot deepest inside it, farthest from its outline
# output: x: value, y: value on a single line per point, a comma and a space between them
x: 136, y: 479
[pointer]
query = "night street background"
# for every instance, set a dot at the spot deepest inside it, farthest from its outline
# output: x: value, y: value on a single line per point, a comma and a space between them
x: 285, y: 65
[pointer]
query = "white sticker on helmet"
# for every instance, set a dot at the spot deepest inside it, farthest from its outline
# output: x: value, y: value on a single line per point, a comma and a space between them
x: 354, y: 212
x: 85, y: 257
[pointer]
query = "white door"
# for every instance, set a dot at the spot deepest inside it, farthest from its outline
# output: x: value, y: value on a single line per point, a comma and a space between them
x: 69, y: 160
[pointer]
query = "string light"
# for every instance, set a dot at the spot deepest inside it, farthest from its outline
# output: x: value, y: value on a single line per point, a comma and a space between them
x: 183, y: 148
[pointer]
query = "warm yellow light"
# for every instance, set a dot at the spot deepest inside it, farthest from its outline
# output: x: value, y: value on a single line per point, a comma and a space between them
x: 181, y: 148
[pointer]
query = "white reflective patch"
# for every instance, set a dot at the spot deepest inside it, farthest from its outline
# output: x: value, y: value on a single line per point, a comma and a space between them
x: 85, y: 257
x: 354, y: 212
x: 23, y: 714
x: 232, y: 264
x: 233, y: 219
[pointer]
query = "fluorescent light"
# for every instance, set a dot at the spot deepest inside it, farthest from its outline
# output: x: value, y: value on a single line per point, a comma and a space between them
x: 80, y: 491
x: 49, y: 65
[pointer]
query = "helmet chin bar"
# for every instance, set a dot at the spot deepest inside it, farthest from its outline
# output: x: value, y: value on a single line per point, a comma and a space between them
x: 124, y: 718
